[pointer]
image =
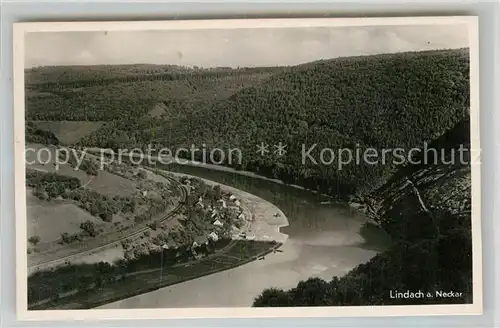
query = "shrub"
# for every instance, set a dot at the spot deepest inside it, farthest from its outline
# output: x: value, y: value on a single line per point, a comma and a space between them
x: 89, y: 228
x: 34, y: 240
x: 153, y: 225
x: 142, y: 175
x: 65, y: 238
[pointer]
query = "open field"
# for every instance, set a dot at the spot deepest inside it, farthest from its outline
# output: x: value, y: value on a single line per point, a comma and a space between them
x: 43, y: 158
x: 104, y: 182
x: 68, y: 209
x: 49, y: 221
x: 110, y: 185
x: 69, y: 132
x: 158, y: 110
x: 59, y: 255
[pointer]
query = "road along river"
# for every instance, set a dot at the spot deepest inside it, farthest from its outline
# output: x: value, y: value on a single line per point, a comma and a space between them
x: 324, y: 240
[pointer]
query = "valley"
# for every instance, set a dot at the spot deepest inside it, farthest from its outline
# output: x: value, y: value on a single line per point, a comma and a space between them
x: 269, y: 230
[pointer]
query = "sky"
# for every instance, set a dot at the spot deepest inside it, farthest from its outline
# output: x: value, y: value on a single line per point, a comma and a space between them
x: 234, y: 47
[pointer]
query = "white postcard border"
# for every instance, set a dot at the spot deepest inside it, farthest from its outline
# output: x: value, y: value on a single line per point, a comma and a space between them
x: 23, y: 313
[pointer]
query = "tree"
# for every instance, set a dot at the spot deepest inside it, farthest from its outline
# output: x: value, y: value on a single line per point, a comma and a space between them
x: 106, y: 216
x: 65, y: 238
x: 272, y: 297
x: 217, y: 192
x: 311, y: 292
x: 89, y: 227
x: 142, y: 175
x: 125, y: 244
x: 34, y: 240
x: 153, y: 225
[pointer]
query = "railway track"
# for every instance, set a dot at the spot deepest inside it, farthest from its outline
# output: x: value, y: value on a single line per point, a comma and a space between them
x: 142, y: 229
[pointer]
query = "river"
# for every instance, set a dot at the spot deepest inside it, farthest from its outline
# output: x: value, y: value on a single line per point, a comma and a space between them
x: 324, y: 240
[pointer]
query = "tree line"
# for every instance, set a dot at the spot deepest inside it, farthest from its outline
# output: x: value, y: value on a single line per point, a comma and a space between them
x: 48, y: 284
x: 373, y: 102
x: 47, y: 186
x: 431, y: 246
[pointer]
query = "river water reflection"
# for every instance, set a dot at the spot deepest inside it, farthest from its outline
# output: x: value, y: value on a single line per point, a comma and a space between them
x: 324, y: 241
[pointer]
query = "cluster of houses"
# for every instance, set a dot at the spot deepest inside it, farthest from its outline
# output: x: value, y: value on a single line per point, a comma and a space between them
x: 217, y: 218
x: 217, y: 223
x: 241, y: 216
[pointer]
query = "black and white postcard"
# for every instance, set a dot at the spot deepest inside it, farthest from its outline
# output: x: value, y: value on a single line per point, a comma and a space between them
x: 242, y: 168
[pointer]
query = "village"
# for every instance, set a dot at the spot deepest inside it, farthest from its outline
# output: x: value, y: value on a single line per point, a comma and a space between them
x: 202, y: 225
x: 207, y: 218
x: 228, y: 217
x: 157, y: 215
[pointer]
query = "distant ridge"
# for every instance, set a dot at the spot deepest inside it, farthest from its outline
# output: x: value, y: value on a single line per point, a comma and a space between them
x: 396, y: 100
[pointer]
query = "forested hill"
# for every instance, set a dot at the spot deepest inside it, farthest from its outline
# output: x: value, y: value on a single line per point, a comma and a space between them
x: 426, y: 209
x: 382, y: 101
x: 121, y: 92
x: 386, y: 101
x: 50, y: 77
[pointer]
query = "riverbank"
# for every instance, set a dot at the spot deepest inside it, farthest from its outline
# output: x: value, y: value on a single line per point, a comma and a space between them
x: 323, y: 240
x: 264, y: 219
x: 151, y: 280
x: 184, y: 162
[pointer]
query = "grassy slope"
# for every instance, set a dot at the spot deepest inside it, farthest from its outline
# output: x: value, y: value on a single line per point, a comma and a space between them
x: 68, y: 132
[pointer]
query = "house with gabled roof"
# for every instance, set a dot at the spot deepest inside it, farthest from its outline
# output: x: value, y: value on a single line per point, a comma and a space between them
x: 213, y: 236
x: 224, y: 205
x: 199, y: 241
